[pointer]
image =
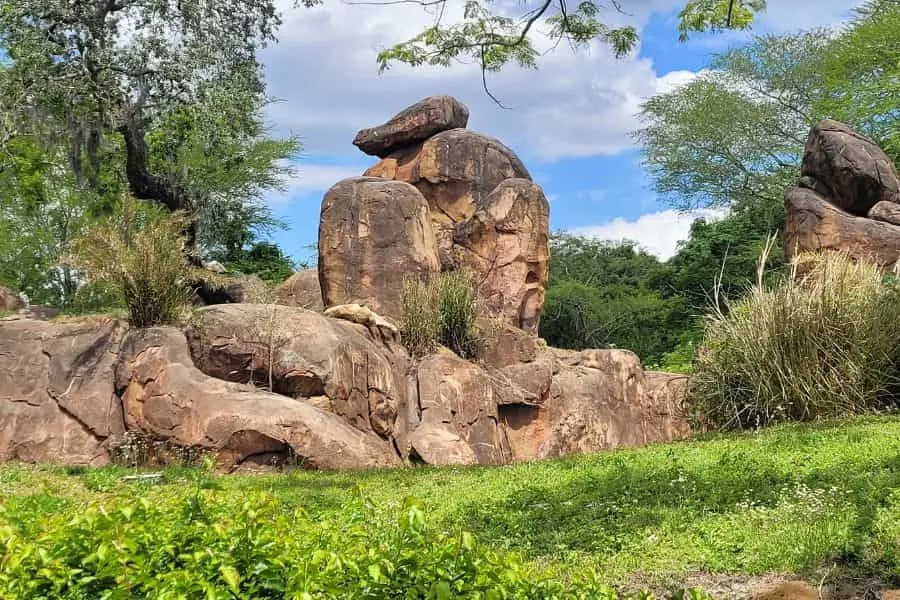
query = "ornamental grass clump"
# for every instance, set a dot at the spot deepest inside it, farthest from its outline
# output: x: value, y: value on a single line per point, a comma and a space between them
x: 140, y: 253
x: 440, y: 310
x: 822, y: 342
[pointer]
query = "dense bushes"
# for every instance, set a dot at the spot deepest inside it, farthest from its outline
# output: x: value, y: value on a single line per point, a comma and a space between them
x: 214, y: 545
x: 139, y: 253
x: 822, y: 344
x: 442, y: 310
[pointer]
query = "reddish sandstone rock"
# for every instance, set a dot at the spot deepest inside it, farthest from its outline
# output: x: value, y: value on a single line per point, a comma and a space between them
x: 813, y: 224
x: 414, y: 124
x: 455, y: 170
x: 373, y: 233
x: 301, y: 289
x: 506, y: 242
x: 166, y: 397
x: 334, y: 363
x: 57, y: 394
x: 9, y: 300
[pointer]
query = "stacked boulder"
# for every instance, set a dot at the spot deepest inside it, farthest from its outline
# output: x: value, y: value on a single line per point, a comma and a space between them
x: 321, y: 377
x: 441, y: 198
x: 848, y: 198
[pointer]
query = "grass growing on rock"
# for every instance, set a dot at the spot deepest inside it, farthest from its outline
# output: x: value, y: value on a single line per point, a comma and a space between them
x: 813, y: 500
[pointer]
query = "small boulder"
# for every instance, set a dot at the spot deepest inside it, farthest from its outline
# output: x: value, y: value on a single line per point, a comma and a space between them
x: 414, y: 124
x: 507, y: 244
x: 856, y: 173
x: 231, y: 290
x: 301, y: 289
x: 889, y: 212
x: 813, y: 224
x: 373, y: 233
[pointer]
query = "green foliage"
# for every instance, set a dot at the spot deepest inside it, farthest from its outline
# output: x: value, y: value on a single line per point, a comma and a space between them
x: 457, y: 311
x: 138, y: 252
x: 263, y: 259
x: 442, y: 310
x: 862, y: 75
x: 819, y: 345
x: 604, y: 294
x: 717, y: 15
x: 420, y: 323
x: 200, y: 544
x: 722, y: 505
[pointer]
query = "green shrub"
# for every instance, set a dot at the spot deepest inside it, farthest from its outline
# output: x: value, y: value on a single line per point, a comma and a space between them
x: 822, y: 344
x: 442, y: 310
x: 205, y: 544
x: 420, y: 326
x: 138, y: 254
x: 457, y: 311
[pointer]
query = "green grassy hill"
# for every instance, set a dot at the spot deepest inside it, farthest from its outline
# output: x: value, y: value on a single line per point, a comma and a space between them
x: 815, y: 501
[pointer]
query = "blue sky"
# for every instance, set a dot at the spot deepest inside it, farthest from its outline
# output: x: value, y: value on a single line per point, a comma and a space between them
x: 569, y: 119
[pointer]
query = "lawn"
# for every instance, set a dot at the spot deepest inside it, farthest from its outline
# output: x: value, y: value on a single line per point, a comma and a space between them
x: 812, y: 500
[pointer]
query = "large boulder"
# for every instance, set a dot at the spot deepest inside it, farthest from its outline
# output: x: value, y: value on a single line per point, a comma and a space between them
x: 813, y: 224
x: 373, y: 233
x: 301, y: 289
x: 9, y: 300
x: 332, y: 363
x: 507, y: 244
x: 414, y: 124
x: 599, y: 399
x: 166, y: 397
x: 456, y: 405
x: 57, y: 394
x: 455, y: 170
x: 848, y: 168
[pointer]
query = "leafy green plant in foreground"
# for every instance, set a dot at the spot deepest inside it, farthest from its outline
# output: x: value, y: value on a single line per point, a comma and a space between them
x: 196, y: 544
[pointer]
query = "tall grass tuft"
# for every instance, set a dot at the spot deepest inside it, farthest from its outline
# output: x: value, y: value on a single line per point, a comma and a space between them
x: 820, y: 344
x: 139, y: 253
x: 442, y: 310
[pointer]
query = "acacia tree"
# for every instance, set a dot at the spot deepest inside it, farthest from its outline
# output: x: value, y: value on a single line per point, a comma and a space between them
x: 85, y: 71
x: 493, y: 36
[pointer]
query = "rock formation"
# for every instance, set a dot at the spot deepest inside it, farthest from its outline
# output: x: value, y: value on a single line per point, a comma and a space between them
x: 486, y: 213
x: 301, y: 289
x: 848, y: 198
x: 373, y: 233
x: 321, y: 378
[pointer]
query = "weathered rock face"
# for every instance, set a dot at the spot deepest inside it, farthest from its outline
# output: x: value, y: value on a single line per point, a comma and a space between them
x: 456, y: 404
x: 455, y: 170
x: 301, y: 289
x: 57, y: 395
x: 414, y: 124
x: 9, y: 300
x: 813, y: 224
x: 598, y: 399
x: 167, y: 397
x: 851, y: 169
x: 373, y: 233
x: 332, y: 363
x: 507, y: 243
x: 889, y: 212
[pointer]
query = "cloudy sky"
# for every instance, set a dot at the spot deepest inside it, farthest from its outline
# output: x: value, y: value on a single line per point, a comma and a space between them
x: 569, y: 120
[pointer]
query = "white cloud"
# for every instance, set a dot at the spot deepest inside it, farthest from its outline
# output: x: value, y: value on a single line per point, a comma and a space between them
x: 576, y: 104
x: 658, y: 233
x: 314, y: 179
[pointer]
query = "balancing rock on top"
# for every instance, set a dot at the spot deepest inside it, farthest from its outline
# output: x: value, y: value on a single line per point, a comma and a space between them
x: 414, y: 124
x: 849, y: 169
